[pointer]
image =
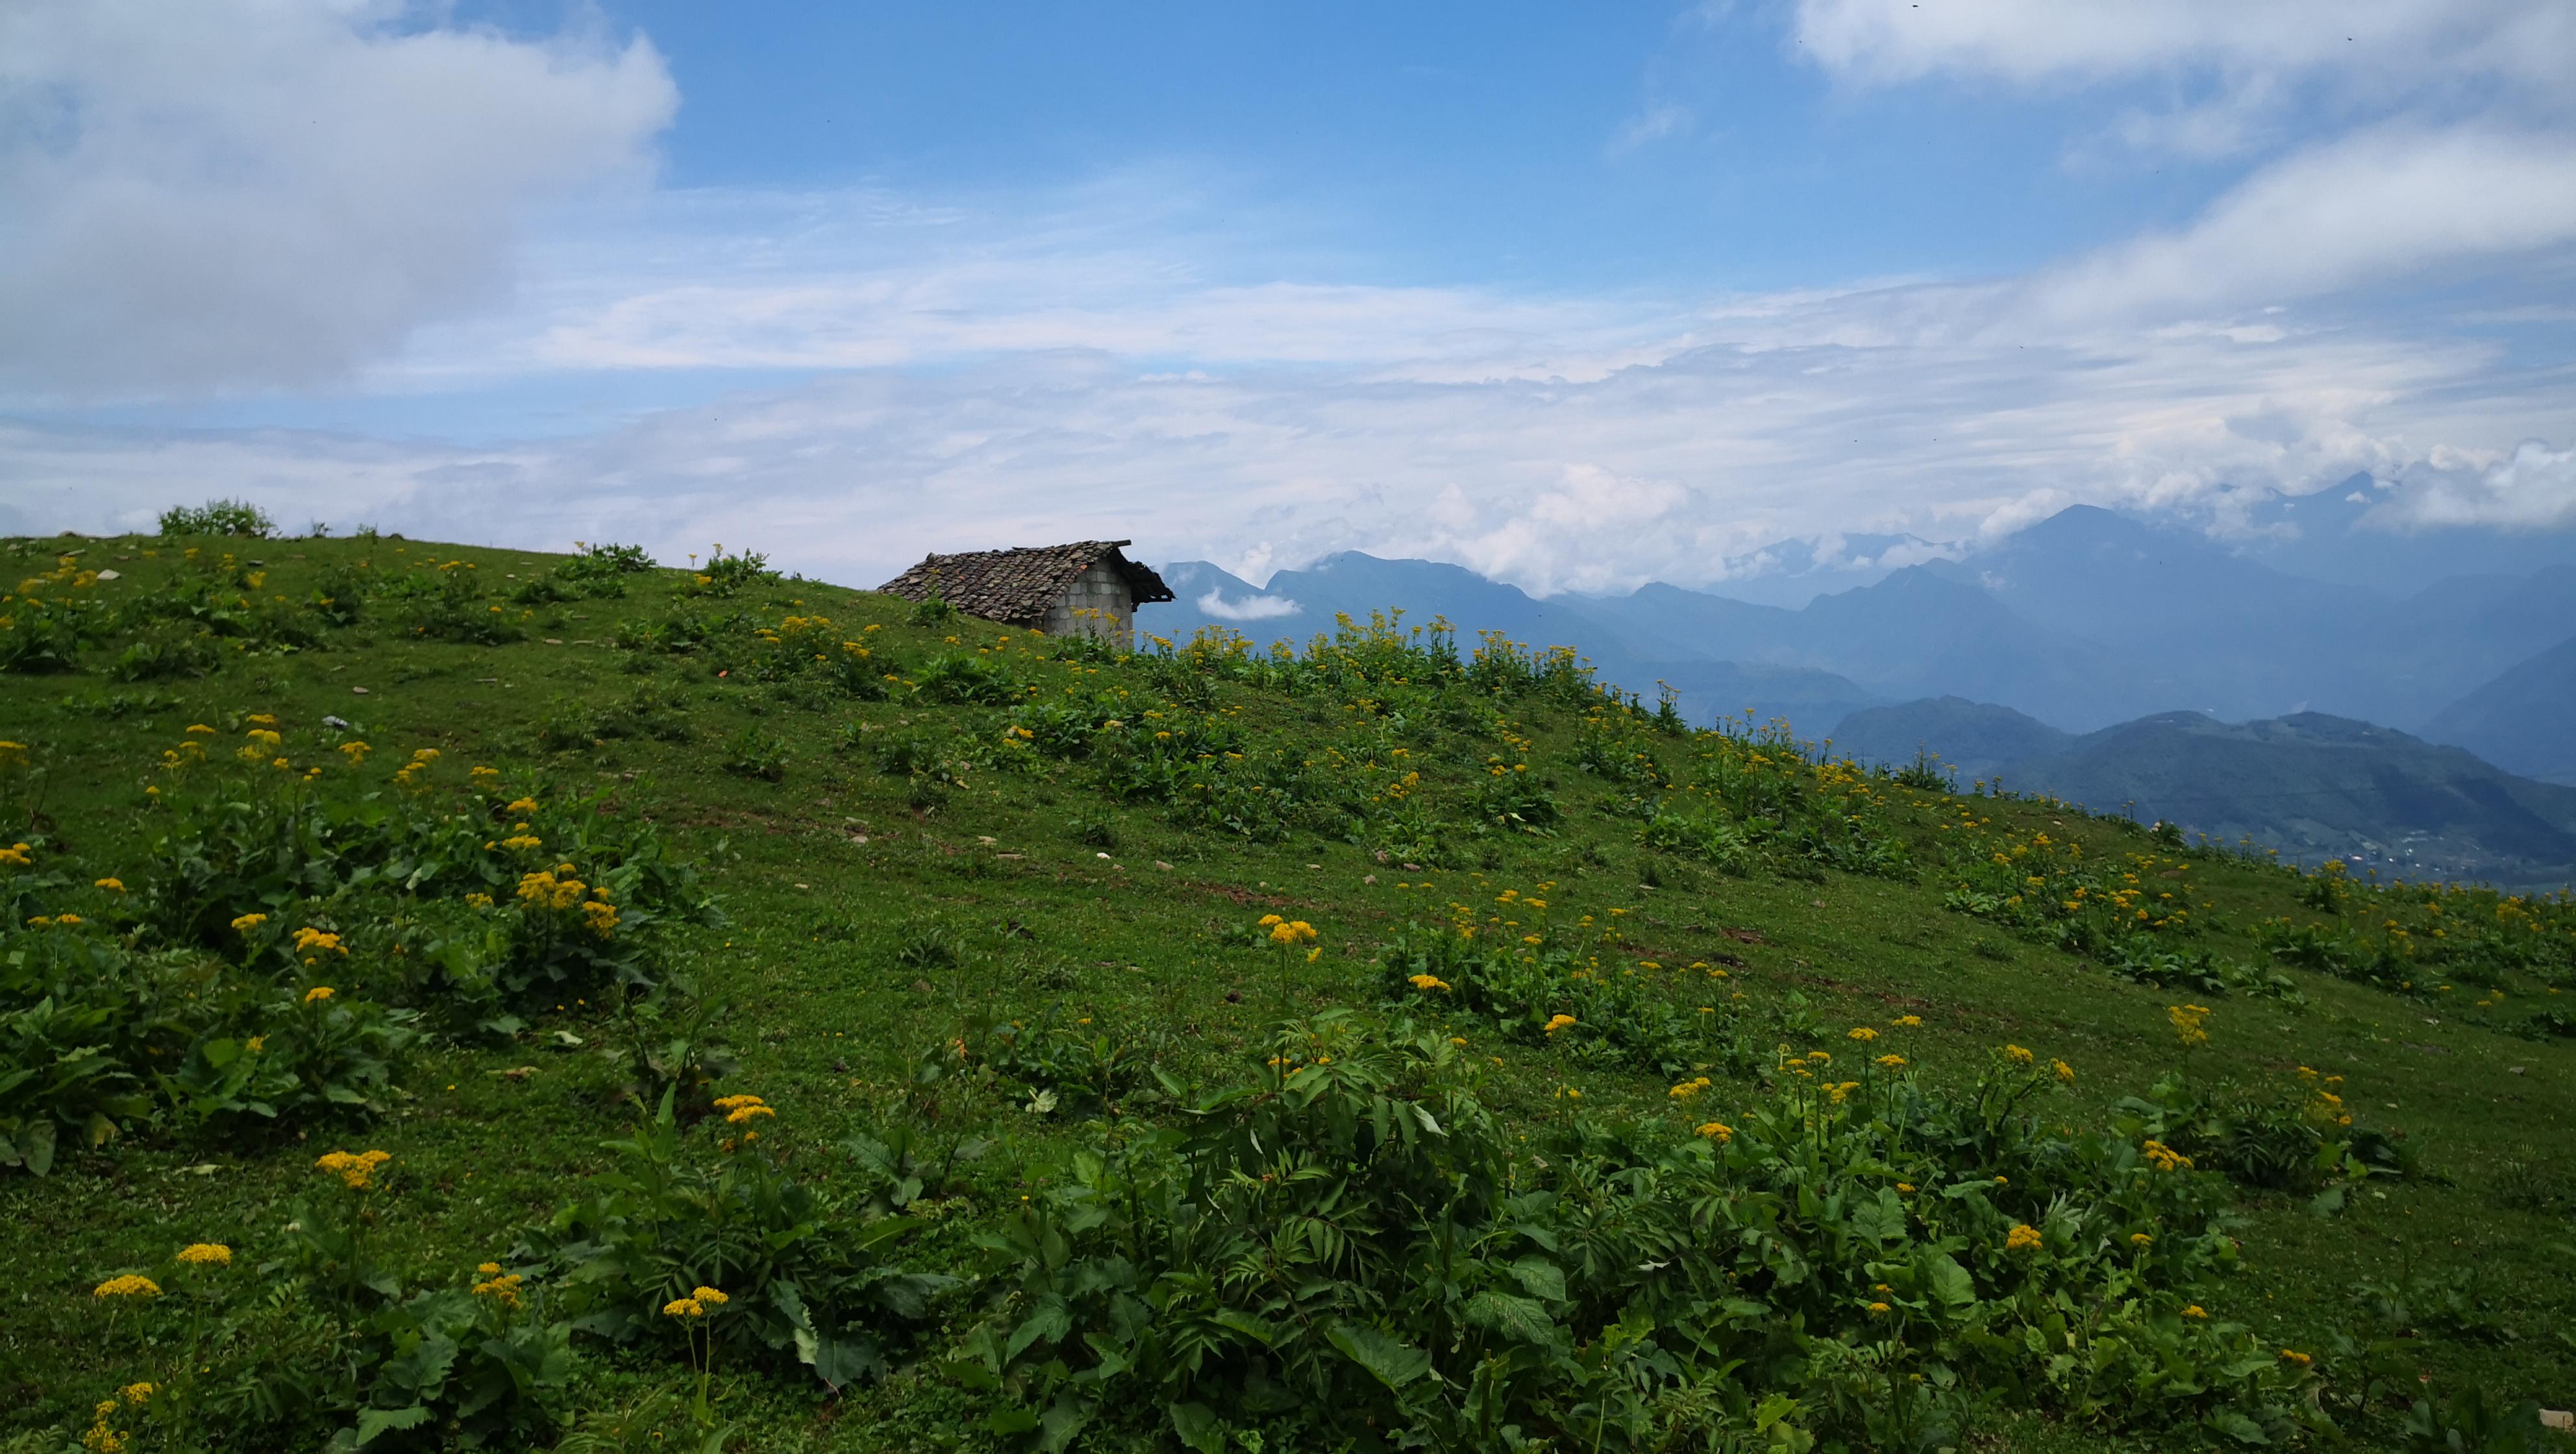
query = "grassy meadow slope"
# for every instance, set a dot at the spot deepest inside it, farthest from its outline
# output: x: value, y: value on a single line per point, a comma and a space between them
x: 1386, y: 1046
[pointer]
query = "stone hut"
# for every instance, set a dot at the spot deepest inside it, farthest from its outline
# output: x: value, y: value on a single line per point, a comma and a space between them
x: 1088, y: 588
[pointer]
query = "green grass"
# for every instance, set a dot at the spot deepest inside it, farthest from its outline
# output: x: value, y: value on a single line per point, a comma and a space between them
x: 871, y: 916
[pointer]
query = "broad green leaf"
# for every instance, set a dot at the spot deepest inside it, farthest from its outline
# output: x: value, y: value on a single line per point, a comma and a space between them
x: 1048, y: 1320
x: 1199, y: 1428
x: 1394, y: 1362
x: 372, y: 1422
x: 2238, y: 1427
x: 1518, y: 1317
x: 1540, y: 1278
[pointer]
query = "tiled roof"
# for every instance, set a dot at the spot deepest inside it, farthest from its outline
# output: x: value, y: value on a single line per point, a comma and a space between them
x: 1017, y: 585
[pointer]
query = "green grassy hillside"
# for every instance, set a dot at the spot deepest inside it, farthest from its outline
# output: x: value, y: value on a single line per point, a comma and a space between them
x: 473, y: 998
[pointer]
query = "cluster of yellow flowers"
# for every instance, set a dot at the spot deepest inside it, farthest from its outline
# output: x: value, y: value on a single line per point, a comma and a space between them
x: 207, y: 1254
x: 409, y: 774
x: 2022, y: 1238
x: 1864, y: 1034
x: 2188, y: 1021
x: 1559, y: 1022
x: 318, y: 993
x: 1288, y: 931
x: 695, y: 1305
x: 18, y: 855
x: 102, y: 1436
x: 1429, y: 982
x: 1689, y: 1089
x: 310, y: 942
x: 742, y: 1110
x: 129, y: 1285
x: 2165, y: 1158
x: 356, y: 1169
x: 247, y: 922
x: 501, y: 1287
x: 1718, y: 1132
x: 2017, y: 1055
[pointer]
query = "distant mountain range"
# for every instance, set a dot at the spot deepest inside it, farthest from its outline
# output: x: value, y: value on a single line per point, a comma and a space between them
x: 2309, y: 785
x: 2085, y: 622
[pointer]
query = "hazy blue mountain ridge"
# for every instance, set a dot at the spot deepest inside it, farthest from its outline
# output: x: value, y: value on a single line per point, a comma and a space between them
x: 2309, y: 785
x: 2524, y: 720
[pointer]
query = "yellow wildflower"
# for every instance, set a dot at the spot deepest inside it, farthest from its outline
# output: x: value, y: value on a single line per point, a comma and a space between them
x: 711, y: 1297
x: 128, y: 1285
x: 1864, y: 1034
x: 1718, y: 1132
x: 741, y: 1114
x: 2022, y: 1238
x: 356, y: 1169
x: 1558, y: 1022
x: 204, y: 1253
x: 248, y: 922
x: 1429, y: 982
x: 684, y: 1307
x: 2017, y: 1055
x: 112, y: 885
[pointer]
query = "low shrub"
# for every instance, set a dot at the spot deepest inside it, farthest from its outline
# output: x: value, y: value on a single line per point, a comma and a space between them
x: 1347, y: 1248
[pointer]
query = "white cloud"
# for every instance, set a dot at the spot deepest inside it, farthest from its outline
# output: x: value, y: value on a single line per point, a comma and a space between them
x: 1651, y: 124
x: 2047, y: 41
x: 1776, y: 428
x: 1250, y: 608
x: 2396, y: 204
x: 2532, y: 488
x: 238, y: 193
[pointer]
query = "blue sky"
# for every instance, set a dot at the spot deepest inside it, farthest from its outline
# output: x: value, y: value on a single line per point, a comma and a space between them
x: 1576, y: 296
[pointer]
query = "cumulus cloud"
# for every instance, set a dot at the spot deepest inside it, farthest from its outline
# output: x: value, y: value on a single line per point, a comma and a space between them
x: 231, y: 194
x: 2531, y: 488
x: 1250, y: 608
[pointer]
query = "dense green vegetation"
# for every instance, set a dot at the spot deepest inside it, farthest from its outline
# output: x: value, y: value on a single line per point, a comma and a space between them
x: 471, y: 998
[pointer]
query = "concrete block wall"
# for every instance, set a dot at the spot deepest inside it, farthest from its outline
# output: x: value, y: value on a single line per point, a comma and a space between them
x: 1101, y: 589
